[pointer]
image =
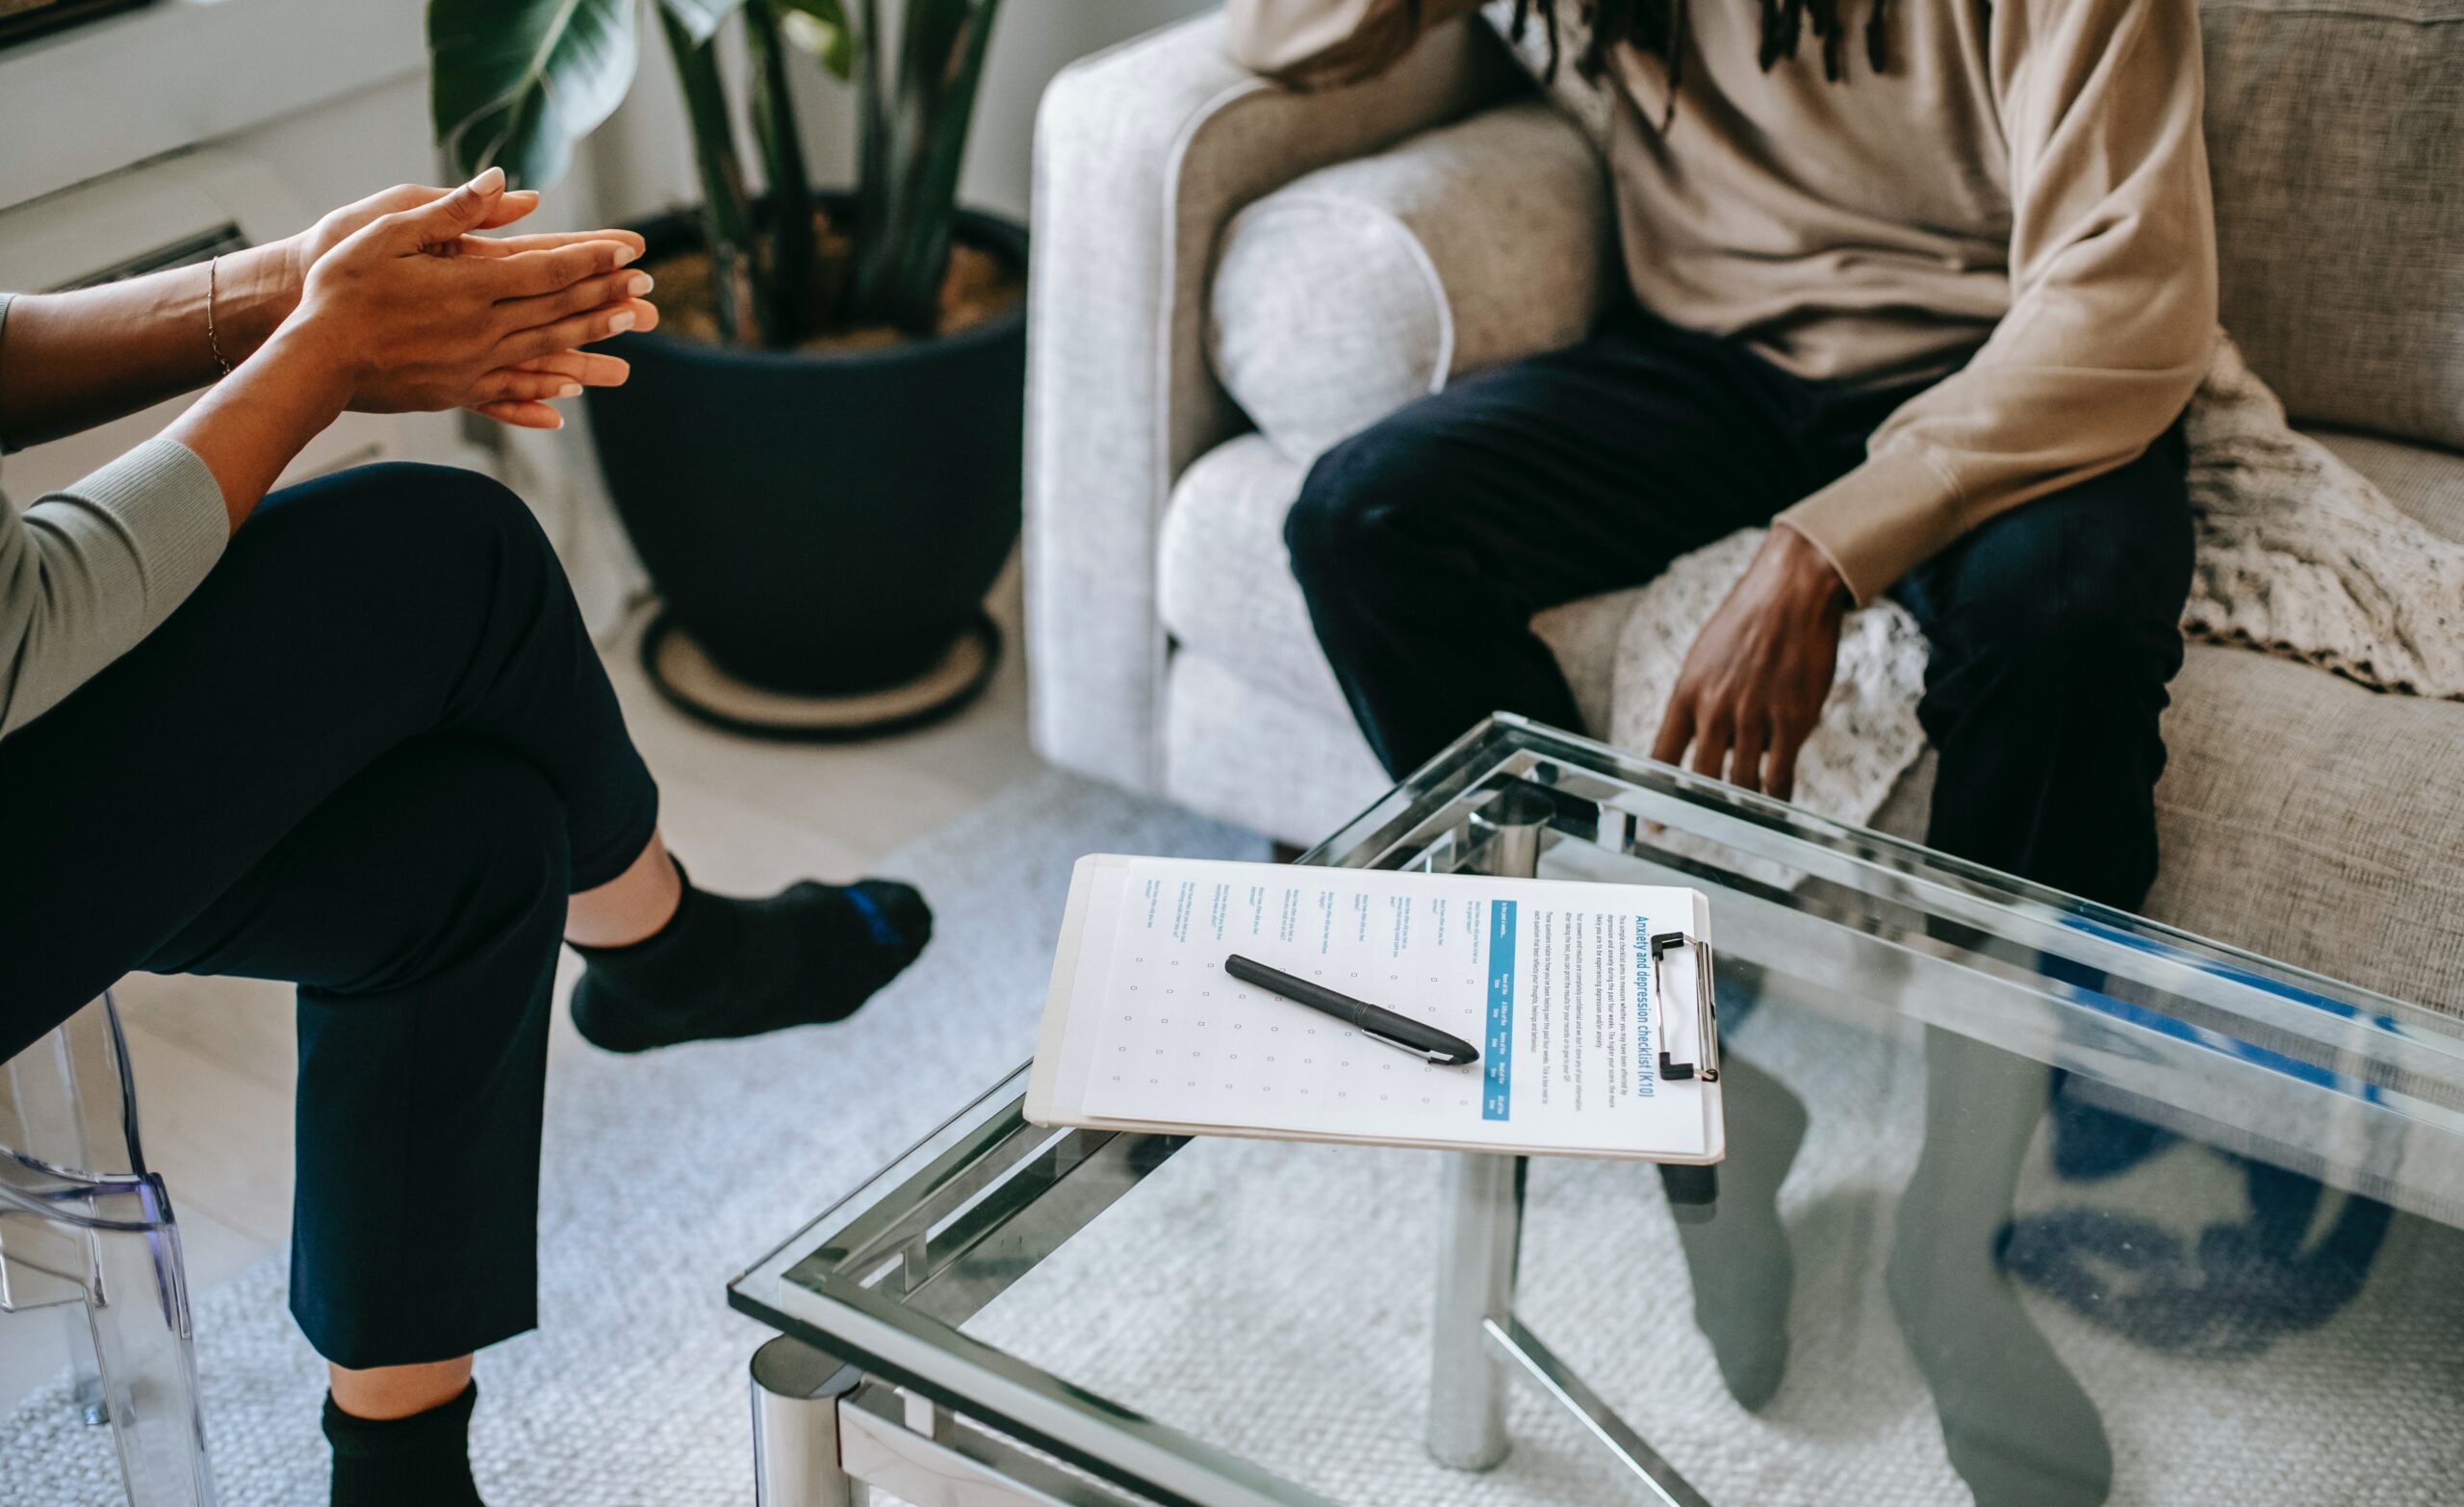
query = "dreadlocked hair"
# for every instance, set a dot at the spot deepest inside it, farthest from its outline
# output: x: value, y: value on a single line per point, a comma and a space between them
x: 1658, y: 27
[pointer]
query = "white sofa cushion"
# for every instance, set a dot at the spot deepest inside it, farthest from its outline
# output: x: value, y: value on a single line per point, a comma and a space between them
x: 1244, y: 754
x: 1353, y: 290
x: 1223, y: 579
x: 1224, y: 587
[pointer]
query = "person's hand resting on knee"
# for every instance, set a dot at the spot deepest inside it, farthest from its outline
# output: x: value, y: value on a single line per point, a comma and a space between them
x: 1754, y: 684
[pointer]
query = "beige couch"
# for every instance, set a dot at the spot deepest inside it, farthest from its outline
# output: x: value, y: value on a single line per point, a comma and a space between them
x: 1228, y: 276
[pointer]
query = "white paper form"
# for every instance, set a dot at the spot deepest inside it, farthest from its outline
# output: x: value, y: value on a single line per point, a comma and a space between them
x: 1552, y: 981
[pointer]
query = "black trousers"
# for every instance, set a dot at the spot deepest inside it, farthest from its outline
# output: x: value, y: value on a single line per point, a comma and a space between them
x: 372, y: 755
x: 1426, y: 543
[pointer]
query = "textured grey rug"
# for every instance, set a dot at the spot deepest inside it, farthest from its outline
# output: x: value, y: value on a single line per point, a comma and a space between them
x: 1275, y: 1299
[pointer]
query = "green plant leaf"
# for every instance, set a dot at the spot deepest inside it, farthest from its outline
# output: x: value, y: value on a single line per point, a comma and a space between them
x: 794, y: 292
x: 821, y: 27
x: 700, y: 18
x: 728, y: 229
x: 903, y: 247
x: 516, y: 82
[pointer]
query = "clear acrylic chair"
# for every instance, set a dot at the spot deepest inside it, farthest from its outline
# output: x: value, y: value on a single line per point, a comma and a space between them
x: 84, y: 1224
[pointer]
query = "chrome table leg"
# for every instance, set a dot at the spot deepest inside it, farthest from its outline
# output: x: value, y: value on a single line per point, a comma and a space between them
x: 795, y: 1427
x: 1481, y: 1230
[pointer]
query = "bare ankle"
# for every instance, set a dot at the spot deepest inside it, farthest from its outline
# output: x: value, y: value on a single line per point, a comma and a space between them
x: 630, y: 907
x: 398, y: 1391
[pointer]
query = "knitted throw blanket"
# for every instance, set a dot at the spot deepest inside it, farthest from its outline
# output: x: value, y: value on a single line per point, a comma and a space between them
x: 2298, y: 555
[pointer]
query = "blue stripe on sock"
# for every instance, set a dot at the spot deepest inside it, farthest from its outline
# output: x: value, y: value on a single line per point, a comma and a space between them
x: 883, y: 934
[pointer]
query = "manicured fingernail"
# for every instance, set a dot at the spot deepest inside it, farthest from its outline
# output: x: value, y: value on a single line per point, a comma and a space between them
x: 490, y: 181
x: 625, y: 253
x: 569, y: 390
x: 638, y: 284
x: 624, y: 321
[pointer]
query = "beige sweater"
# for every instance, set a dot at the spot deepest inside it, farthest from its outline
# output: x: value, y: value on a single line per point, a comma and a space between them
x: 2027, y: 182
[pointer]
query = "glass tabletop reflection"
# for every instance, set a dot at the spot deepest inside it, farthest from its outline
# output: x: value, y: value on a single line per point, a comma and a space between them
x: 2026, y: 1201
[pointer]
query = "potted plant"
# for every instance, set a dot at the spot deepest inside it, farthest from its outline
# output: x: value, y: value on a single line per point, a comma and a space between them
x: 818, y: 454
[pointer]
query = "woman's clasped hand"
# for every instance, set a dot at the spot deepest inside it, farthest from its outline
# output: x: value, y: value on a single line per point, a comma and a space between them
x: 404, y: 307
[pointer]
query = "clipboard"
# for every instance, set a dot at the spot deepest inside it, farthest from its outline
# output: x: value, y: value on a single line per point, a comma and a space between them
x: 1683, y: 1061
x: 1672, y: 1003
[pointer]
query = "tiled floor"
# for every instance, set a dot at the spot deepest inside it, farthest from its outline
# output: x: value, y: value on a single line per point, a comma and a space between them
x: 214, y: 1057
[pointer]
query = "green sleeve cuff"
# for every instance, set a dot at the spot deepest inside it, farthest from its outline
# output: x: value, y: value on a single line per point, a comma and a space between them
x: 165, y: 504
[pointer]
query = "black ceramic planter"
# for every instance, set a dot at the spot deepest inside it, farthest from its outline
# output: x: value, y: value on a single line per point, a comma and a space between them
x: 821, y: 524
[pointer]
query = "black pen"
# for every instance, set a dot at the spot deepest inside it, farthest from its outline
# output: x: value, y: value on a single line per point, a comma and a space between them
x: 1399, y: 1032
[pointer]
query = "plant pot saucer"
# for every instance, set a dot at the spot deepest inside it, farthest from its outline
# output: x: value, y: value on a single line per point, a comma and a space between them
x: 696, y: 686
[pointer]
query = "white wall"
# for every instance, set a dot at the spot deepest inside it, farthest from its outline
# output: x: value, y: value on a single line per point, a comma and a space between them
x: 1033, y: 40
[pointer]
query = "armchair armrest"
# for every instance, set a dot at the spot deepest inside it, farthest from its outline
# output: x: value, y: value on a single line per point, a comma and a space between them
x: 1143, y: 154
x: 1349, y: 292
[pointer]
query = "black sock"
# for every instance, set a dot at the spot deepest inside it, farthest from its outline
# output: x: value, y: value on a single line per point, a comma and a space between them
x: 420, y: 1461
x: 725, y: 968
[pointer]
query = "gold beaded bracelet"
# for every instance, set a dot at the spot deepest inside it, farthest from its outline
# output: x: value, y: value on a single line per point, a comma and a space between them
x: 214, y: 342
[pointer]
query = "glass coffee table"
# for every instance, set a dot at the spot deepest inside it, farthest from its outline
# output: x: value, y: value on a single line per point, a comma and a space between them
x: 2027, y: 1202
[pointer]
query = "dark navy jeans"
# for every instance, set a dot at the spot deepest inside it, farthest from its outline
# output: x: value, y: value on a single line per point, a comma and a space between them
x: 372, y: 756
x: 1426, y: 543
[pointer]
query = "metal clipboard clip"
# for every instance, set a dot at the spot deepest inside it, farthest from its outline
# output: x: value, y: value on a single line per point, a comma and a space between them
x: 1707, y: 1065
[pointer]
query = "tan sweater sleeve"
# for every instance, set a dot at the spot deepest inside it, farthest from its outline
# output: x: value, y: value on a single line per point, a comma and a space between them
x: 1321, y: 43
x: 2113, y: 290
